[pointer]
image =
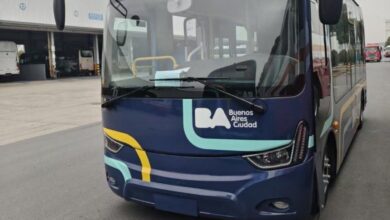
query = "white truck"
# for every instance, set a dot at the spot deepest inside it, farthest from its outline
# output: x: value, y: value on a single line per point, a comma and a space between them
x: 9, y: 58
x: 86, y: 62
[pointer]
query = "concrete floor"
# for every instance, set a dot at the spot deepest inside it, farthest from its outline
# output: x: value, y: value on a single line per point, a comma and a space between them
x: 61, y: 175
x: 32, y: 109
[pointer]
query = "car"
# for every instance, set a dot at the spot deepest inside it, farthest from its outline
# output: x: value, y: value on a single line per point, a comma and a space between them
x: 387, y: 52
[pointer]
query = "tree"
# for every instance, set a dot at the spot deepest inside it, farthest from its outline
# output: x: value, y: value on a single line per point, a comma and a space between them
x: 388, y: 42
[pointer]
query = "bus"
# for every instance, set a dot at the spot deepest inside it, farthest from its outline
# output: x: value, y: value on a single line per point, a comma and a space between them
x: 230, y: 109
x: 9, y: 58
x: 373, y: 53
x: 86, y: 62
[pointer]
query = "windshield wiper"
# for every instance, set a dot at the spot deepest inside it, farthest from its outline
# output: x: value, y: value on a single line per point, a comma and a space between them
x: 257, y: 108
x: 116, y: 98
x: 111, y: 101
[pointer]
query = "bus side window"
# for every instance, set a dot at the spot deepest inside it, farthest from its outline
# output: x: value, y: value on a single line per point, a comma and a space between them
x: 352, y: 58
x: 359, y: 48
x: 340, y: 41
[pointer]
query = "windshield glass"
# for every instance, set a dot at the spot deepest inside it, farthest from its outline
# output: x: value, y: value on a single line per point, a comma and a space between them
x: 372, y: 49
x: 251, y: 46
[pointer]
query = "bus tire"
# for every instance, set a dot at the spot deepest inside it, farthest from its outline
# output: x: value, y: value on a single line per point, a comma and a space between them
x: 328, y: 168
x: 315, y: 208
x: 361, y: 116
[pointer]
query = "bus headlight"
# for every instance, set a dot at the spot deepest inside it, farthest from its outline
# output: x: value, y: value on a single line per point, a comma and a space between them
x: 112, y: 145
x: 272, y: 159
x: 293, y: 154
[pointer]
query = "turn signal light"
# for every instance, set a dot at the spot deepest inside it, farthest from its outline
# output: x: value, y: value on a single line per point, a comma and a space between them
x: 112, y: 145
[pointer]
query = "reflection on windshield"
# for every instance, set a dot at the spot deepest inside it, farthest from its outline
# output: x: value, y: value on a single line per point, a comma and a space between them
x: 254, y: 42
x: 372, y: 49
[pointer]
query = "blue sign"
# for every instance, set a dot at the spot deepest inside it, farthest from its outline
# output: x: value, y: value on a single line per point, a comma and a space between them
x: 95, y: 16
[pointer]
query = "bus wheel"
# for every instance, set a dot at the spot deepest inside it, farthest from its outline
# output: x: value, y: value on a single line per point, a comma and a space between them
x: 315, y: 210
x: 328, y: 169
x: 361, y: 117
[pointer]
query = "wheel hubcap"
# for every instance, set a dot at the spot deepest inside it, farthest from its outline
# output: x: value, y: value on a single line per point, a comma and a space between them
x: 326, y: 173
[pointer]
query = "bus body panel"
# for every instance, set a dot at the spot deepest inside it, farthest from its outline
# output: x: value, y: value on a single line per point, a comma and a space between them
x: 348, y: 76
x: 8, y: 58
x: 189, y: 183
x: 172, y: 127
x: 347, y: 113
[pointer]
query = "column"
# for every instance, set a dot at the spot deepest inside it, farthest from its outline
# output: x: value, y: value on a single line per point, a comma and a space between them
x: 96, y: 54
x: 52, y: 55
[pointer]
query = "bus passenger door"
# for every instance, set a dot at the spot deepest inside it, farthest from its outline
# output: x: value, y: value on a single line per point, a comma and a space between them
x: 321, y: 85
x: 321, y: 77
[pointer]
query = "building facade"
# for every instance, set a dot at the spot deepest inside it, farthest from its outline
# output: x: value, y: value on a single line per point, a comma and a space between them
x: 31, y: 23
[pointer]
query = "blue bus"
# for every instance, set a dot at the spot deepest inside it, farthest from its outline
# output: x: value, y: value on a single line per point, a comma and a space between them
x: 230, y: 109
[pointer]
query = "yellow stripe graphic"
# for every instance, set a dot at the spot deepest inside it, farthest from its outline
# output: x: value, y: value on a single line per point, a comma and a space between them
x: 129, y: 140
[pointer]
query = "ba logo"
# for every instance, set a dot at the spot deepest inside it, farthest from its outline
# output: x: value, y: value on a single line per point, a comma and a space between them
x: 205, y: 119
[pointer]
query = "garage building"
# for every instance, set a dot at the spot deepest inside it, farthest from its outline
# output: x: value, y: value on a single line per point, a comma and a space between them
x: 43, y: 51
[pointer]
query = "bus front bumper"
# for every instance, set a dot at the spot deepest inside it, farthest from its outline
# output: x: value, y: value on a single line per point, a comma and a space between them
x: 249, y: 196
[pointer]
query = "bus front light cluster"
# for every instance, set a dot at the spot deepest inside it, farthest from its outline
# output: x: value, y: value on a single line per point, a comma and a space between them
x: 112, y: 145
x: 293, y: 154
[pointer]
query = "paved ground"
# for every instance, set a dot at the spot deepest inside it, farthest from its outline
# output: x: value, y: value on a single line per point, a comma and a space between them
x: 31, y: 109
x: 61, y: 175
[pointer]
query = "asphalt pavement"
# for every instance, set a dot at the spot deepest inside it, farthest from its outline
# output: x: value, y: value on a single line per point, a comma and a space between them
x: 61, y: 175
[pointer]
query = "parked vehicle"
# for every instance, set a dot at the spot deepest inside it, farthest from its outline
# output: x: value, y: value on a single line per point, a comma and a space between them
x: 86, y: 62
x: 387, y: 51
x: 373, y: 53
x: 9, y: 58
x: 195, y: 123
x: 66, y: 66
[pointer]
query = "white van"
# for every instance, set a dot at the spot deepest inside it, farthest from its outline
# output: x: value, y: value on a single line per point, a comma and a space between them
x: 86, y: 62
x: 9, y: 58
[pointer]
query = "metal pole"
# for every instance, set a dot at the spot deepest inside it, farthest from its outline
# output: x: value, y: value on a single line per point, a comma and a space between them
x: 96, y: 55
x: 52, y: 55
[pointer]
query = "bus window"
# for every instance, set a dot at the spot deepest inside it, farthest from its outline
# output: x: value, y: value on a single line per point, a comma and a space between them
x: 359, y: 49
x: 352, y: 19
x: 342, y: 81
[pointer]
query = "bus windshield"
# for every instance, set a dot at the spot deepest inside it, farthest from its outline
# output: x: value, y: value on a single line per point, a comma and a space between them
x: 250, y: 47
x: 372, y: 49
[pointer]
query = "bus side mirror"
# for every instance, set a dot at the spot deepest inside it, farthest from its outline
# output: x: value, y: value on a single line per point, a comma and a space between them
x: 330, y: 11
x: 59, y: 13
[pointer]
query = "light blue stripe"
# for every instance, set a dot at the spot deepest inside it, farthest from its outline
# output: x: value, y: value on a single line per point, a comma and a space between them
x: 311, y: 141
x: 119, y: 165
x: 224, y: 144
x: 327, y: 125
